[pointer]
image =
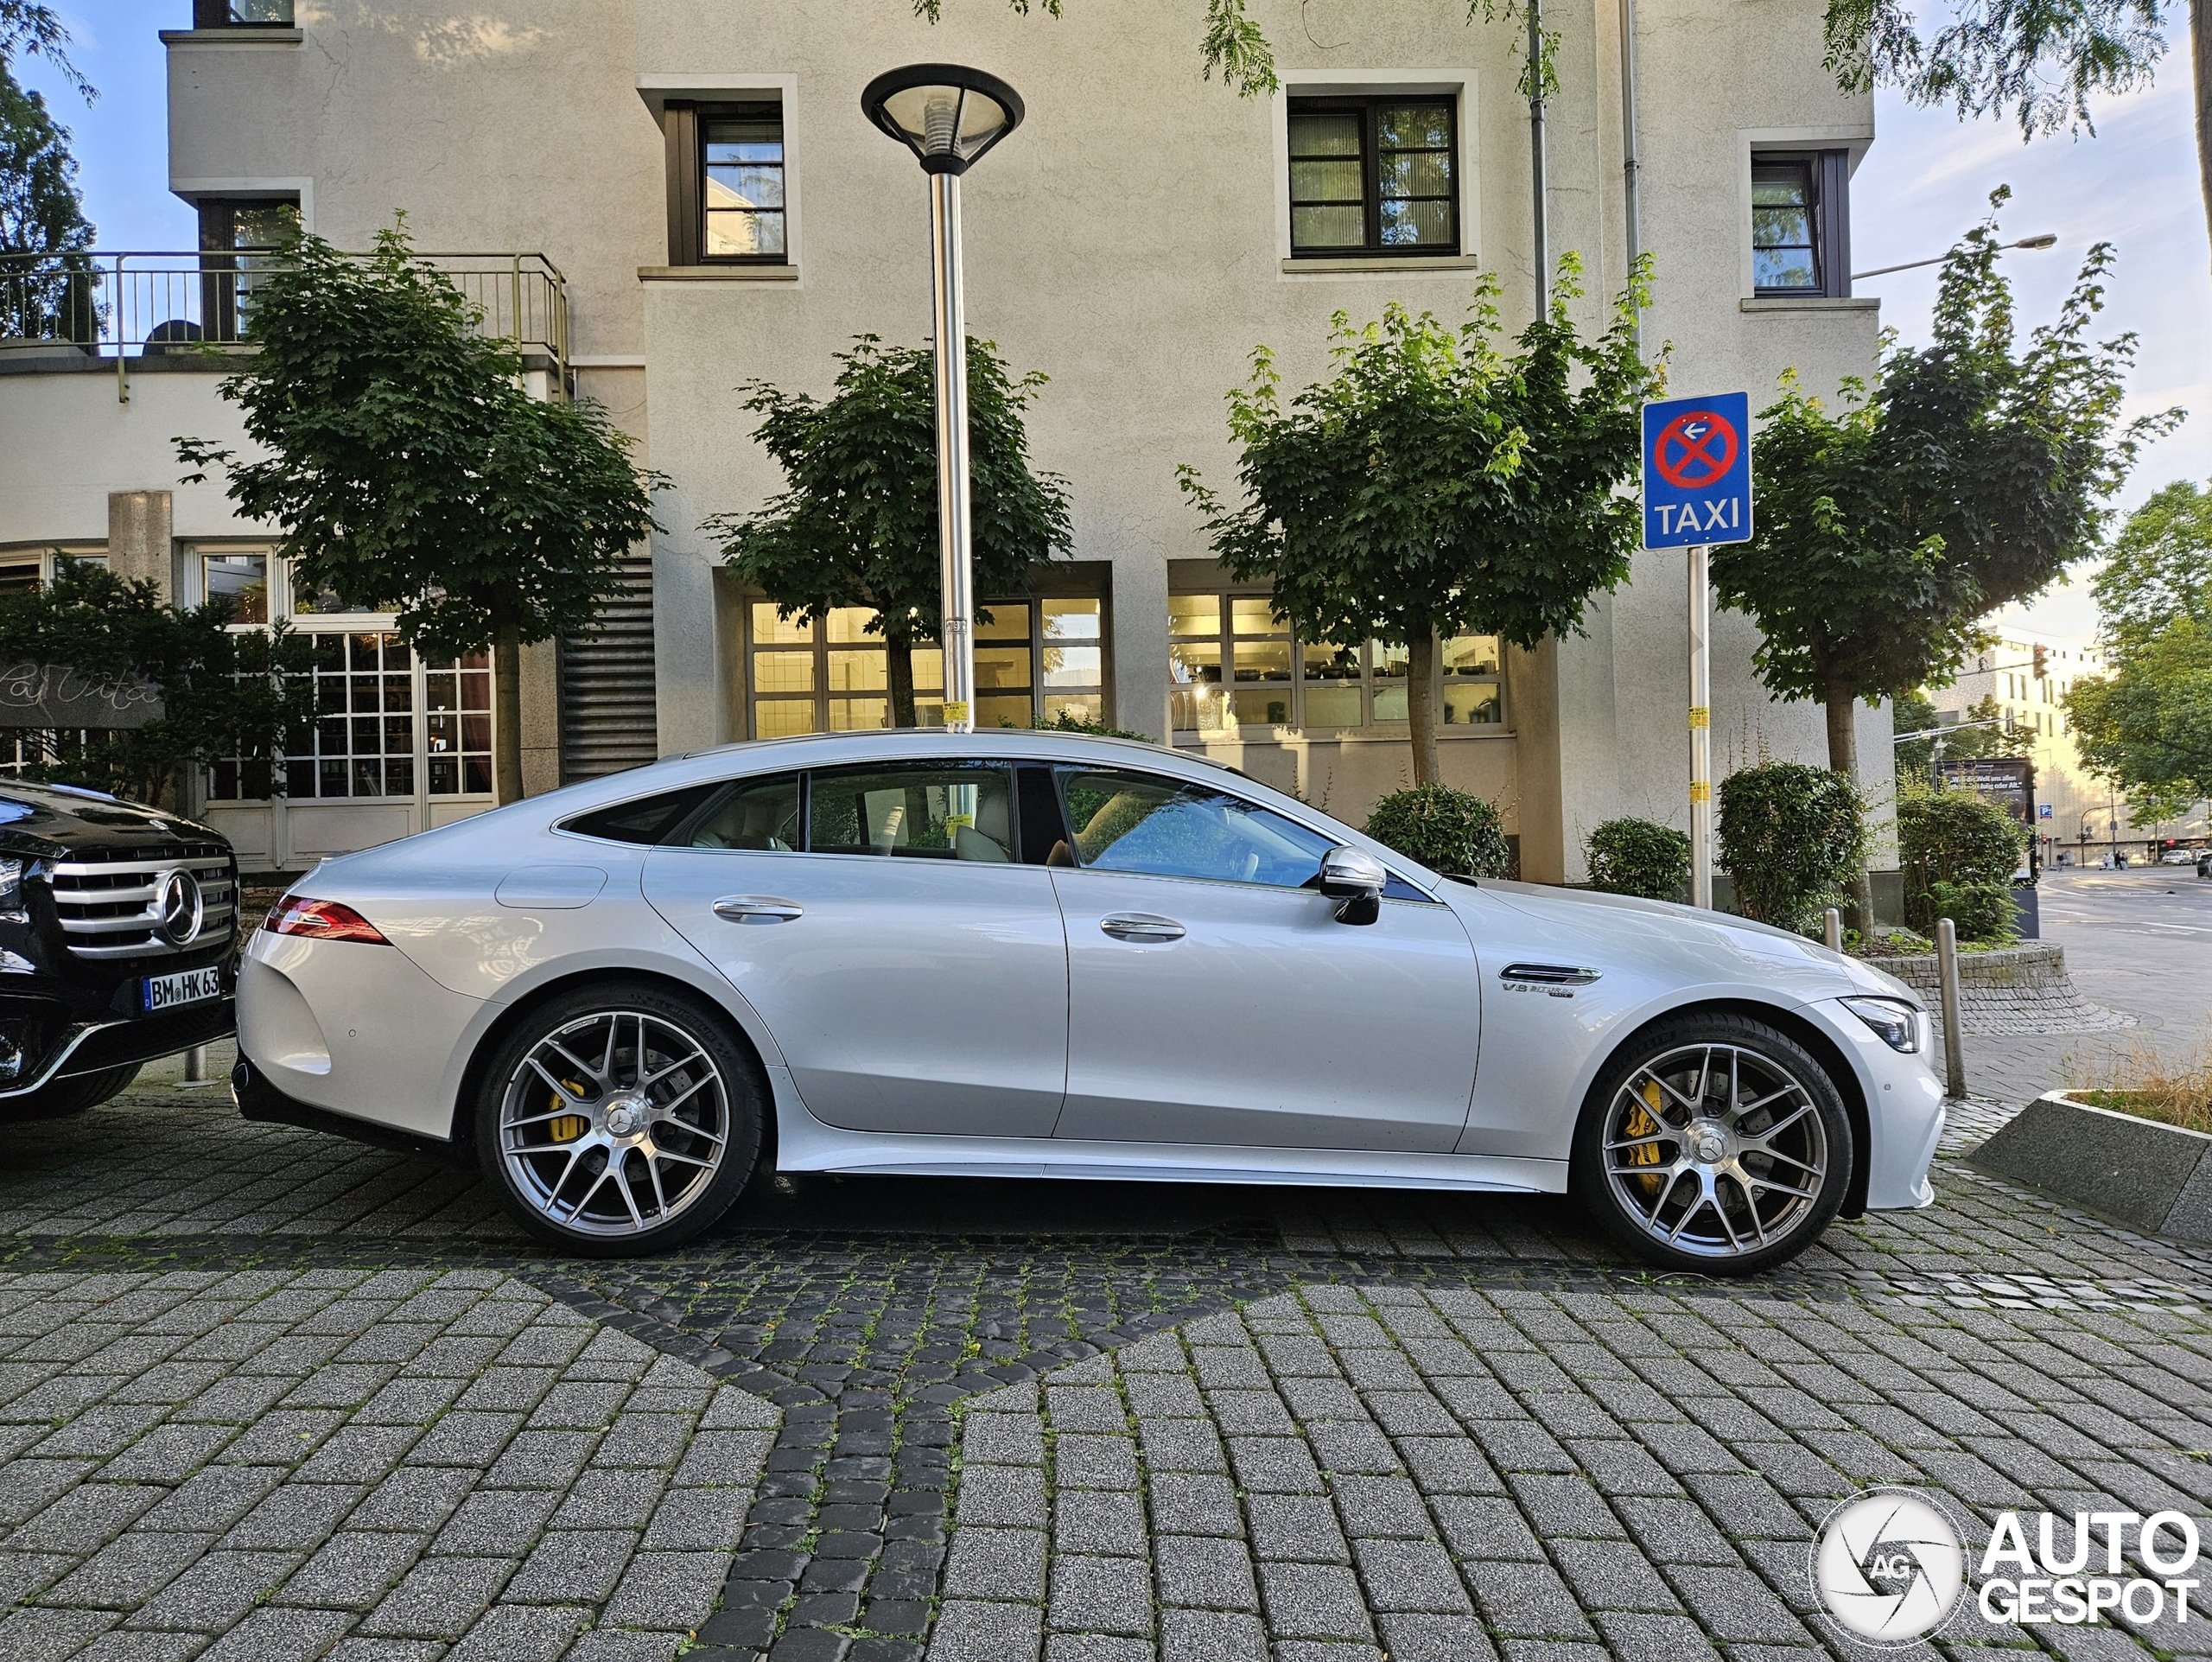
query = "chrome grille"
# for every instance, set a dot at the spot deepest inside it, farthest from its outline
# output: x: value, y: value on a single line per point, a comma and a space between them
x: 106, y: 897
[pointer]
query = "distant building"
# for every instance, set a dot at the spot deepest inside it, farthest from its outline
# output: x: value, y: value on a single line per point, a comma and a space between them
x: 2088, y: 816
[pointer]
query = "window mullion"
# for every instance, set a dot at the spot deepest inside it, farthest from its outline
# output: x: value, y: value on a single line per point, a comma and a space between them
x: 1371, y: 172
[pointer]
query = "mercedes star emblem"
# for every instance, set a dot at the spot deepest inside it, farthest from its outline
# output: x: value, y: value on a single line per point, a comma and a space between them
x: 178, y: 906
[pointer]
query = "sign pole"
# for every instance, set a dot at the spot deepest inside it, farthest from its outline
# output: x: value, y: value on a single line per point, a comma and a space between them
x: 1701, y: 598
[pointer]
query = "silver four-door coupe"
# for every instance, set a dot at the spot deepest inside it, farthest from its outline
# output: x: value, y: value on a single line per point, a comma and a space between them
x: 1030, y: 954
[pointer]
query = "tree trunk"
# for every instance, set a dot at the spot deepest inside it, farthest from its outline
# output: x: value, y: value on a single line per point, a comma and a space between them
x: 898, y: 662
x: 1420, y: 705
x: 2200, y: 29
x: 1841, y: 703
x: 506, y: 712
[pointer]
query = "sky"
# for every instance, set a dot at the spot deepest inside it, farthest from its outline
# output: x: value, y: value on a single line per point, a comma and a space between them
x: 1926, y: 180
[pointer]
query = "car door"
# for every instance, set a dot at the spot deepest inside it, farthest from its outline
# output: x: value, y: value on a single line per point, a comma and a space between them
x: 913, y: 973
x: 1214, y: 998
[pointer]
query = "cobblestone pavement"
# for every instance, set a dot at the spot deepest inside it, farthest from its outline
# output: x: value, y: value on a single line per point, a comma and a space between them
x: 265, y: 1395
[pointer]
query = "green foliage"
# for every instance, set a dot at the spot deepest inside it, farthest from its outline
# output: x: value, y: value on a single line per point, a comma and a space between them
x: 2041, y: 58
x: 1433, y: 485
x: 1981, y: 912
x: 1913, y: 711
x: 2147, y: 726
x: 1447, y: 830
x: 40, y: 213
x: 1956, y: 849
x: 223, y: 694
x: 32, y: 27
x: 1066, y: 723
x: 1964, y: 476
x: 1792, y: 836
x: 1968, y: 743
x: 404, y: 463
x: 858, y: 524
x: 2159, y: 569
x: 1638, y: 857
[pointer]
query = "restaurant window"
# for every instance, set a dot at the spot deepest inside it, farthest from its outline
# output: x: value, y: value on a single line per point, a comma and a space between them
x: 1801, y: 242
x: 1373, y: 176
x: 1037, y: 659
x: 1230, y: 668
x: 726, y: 178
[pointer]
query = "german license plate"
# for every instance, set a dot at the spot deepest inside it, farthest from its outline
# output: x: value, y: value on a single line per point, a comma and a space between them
x: 185, y: 987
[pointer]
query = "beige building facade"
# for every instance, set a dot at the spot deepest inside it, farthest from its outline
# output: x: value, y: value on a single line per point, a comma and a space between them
x: 715, y: 210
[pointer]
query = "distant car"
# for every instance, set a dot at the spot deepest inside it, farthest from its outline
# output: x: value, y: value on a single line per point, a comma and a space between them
x: 2178, y: 857
x: 2204, y: 863
x: 119, y: 944
x: 1023, y: 954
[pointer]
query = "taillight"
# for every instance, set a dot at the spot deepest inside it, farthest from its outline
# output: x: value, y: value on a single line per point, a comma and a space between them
x: 321, y: 921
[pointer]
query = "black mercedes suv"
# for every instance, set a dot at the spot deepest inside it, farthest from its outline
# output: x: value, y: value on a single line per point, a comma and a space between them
x: 119, y: 944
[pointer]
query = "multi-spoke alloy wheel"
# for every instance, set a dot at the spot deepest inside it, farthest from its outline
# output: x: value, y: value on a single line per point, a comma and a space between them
x: 1718, y: 1144
x: 622, y: 1125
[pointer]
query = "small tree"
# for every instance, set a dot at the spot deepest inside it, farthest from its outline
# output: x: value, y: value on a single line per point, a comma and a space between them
x: 1792, y: 837
x: 2159, y: 569
x: 1435, y: 487
x: 858, y: 524
x: 1959, y: 853
x: 225, y: 694
x: 40, y: 210
x: 1448, y: 831
x: 1962, y: 478
x: 1639, y: 857
x: 407, y: 465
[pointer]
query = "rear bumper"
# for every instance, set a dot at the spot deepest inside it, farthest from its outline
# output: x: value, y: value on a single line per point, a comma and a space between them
x: 259, y: 1100
x: 95, y: 1047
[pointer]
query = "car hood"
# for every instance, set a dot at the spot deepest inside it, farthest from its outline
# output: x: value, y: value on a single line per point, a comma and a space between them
x: 52, y: 819
x: 1593, y: 917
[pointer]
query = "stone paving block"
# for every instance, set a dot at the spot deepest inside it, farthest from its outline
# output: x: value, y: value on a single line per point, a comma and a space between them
x: 1009, y: 1495
x: 126, y: 1572
x: 1088, y: 1461
x: 996, y: 1564
x: 41, y: 1636
x: 570, y: 1566
x: 509, y: 1633
x: 296, y: 1516
x: 1421, y: 1638
x: 216, y: 1592
x: 1736, y: 1605
x: 971, y: 1631
x: 1101, y: 1522
x: 1635, y: 1637
x: 1099, y: 1595
x: 1525, y: 1601
x: 1275, y: 1466
x: 86, y: 1518
x: 1211, y: 1636
x: 1297, y: 1528
x: 1204, y: 1572
x: 440, y: 1598
x: 279, y: 1636
x: 353, y: 1570
x: 1313, y: 1601
x: 1611, y: 1576
x: 1006, y: 1439
x: 1410, y: 1576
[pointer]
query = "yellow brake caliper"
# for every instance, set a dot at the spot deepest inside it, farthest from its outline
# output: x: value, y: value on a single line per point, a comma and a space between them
x: 1643, y: 1121
x: 566, y: 1128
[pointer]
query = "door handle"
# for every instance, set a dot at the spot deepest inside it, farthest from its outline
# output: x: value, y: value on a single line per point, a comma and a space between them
x: 756, y: 908
x: 1141, y: 926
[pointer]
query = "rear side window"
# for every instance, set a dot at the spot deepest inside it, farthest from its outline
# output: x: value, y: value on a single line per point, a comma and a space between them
x: 755, y: 813
x: 647, y: 820
x: 930, y: 810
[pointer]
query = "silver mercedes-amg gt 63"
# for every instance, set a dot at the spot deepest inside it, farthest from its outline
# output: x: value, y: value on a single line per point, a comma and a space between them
x: 1022, y: 954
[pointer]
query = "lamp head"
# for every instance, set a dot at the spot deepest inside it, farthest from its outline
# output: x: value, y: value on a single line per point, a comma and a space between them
x: 946, y: 114
x: 2047, y: 239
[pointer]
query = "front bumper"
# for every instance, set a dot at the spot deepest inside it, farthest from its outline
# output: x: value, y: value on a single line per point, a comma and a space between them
x: 1904, y: 1110
x: 95, y: 1047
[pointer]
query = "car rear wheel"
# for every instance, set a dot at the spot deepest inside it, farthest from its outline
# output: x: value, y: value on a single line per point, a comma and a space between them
x: 619, y: 1120
x: 59, y: 1098
x: 1715, y: 1144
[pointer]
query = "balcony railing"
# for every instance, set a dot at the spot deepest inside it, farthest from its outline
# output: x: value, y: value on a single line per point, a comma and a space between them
x: 133, y: 306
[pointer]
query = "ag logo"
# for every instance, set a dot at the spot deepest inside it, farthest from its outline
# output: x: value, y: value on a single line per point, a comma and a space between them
x: 1888, y: 1566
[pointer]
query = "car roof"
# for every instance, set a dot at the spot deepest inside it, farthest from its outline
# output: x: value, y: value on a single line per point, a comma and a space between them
x: 1039, y: 741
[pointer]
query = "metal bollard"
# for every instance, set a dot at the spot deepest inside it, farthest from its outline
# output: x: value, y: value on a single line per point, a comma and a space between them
x: 1831, y: 929
x: 195, y: 1065
x: 1947, y: 969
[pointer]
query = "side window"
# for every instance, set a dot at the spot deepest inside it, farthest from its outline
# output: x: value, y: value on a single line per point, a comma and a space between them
x: 646, y: 820
x: 755, y: 813
x: 1143, y: 822
x: 930, y: 810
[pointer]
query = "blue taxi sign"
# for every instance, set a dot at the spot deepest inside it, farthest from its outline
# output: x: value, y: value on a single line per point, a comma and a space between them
x: 1697, y: 470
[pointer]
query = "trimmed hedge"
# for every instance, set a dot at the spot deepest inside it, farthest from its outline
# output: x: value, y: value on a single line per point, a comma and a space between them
x: 1959, y: 853
x: 1448, y: 831
x: 1638, y: 857
x: 1792, y: 835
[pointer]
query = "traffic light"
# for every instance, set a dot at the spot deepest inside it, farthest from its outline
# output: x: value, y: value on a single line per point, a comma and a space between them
x: 2043, y: 662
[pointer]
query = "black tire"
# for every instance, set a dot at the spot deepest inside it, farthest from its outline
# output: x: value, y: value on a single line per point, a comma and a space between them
x: 684, y: 1148
x: 60, y: 1098
x: 1671, y: 1169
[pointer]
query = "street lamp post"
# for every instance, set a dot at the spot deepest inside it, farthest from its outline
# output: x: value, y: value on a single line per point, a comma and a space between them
x: 2047, y: 239
x: 949, y: 116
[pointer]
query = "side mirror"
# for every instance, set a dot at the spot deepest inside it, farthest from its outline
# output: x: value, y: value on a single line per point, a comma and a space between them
x: 1356, y: 878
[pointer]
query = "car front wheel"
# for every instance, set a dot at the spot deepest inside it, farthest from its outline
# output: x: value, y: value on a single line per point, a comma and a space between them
x: 619, y: 1120
x: 1715, y: 1143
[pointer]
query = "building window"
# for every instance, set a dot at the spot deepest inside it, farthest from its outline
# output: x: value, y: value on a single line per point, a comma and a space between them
x: 235, y: 236
x: 1036, y: 660
x: 242, y: 14
x: 726, y: 178
x: 1230, y: 663
x: 26, y: 569
x: 1373, y: 176
x: 1801, y: 242
x: 388, y: 723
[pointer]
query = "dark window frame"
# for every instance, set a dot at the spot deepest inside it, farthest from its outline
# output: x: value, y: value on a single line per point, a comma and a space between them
x: 1828, y: 174
x: 221, y: 273
x: 219, y: 14
x: 1369, y: 107
x: 684, y: 125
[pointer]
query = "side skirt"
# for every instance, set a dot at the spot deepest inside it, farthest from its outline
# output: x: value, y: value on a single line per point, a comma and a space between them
x: 805, y: 1143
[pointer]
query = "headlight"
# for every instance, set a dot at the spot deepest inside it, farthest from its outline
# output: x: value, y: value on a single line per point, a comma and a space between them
x: 11, y: 892
x: 1897, y: 1022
